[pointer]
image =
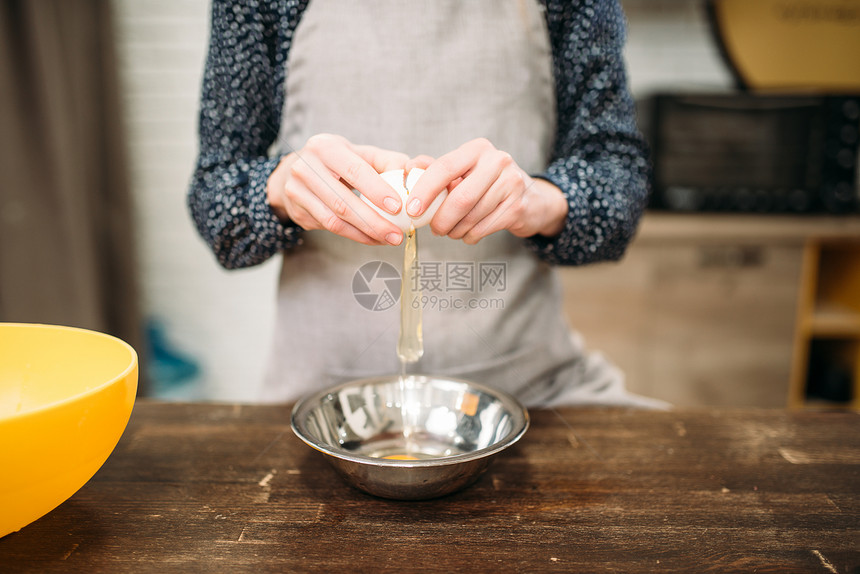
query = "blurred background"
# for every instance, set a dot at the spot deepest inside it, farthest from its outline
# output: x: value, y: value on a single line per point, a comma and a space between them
x: 742, y: 287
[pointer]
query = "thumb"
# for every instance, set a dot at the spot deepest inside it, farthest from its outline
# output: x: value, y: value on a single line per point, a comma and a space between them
x: 381, y: 159
x: 420, y: 161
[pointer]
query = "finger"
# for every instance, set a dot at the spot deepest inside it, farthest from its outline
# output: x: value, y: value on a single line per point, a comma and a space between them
x: 340, y: 157
x: 300, y: 216
x: 419, y: 161
x: 445, y: 170
x: 319, y: 216
x: 362, y: 170
x: 438, y: 176
x: 295, y: 194
x: 511, y: 214
x: 381, y: 159
x: 505, y: 185
x: 496, y: 220
x: 469, y: 192
x: 304, y: 208
x: 342, y: 202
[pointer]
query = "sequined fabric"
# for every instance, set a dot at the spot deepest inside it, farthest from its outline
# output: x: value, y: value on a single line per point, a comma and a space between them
x: 599, y: 158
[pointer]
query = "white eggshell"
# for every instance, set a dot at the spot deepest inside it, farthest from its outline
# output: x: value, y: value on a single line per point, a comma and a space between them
x: 394, y: 178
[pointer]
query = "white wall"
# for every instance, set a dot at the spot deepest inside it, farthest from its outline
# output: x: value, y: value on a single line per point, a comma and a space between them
x: 223, y: 319
x: 670, y: 46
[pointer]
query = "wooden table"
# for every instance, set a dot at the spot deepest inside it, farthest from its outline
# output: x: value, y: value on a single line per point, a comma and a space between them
x: 224, y: 488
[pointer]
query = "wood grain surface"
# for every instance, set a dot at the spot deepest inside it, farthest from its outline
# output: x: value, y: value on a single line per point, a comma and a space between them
x: 229, y: 488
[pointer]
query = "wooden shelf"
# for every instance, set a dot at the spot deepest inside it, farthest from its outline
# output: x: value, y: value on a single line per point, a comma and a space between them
x: 835, y: 321
x: 826, y: 360
x: 813, y: 404
x: 662, y: 226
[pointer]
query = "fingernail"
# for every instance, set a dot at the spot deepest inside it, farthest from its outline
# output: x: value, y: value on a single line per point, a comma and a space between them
x: 391, y: 204
x: 394, y: 238
x: 413, y: 207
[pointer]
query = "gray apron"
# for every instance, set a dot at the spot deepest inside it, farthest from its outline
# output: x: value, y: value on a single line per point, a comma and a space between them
x: 423, y: 77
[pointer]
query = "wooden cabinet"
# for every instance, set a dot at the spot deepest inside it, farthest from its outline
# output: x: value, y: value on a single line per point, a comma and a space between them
x: 826, y: 369
x: 705, y: 310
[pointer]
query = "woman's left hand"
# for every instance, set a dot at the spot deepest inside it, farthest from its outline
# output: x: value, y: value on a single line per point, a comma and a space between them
x: 487, y: 192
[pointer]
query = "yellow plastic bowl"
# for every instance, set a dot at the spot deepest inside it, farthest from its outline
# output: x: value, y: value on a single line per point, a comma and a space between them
x: 65, y: 398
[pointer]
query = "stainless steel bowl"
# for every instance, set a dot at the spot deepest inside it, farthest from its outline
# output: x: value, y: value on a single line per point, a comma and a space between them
x: 413, y: 438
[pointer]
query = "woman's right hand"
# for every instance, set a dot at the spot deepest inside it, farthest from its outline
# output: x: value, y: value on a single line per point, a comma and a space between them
x: 312, y: 188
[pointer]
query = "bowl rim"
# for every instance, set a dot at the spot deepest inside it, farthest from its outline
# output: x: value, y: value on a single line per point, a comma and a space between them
x: 133, y: 363
x: 518, y: 410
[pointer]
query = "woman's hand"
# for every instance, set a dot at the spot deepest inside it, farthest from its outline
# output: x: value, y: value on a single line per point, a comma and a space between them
x: 312, y: 188
x: 487, y: 192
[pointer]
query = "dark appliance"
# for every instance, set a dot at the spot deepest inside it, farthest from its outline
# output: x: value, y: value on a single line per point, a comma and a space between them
x: 744, y: 152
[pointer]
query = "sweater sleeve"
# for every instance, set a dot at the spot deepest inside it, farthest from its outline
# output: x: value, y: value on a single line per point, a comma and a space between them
x: 600, y: 159
x: 240, y: 111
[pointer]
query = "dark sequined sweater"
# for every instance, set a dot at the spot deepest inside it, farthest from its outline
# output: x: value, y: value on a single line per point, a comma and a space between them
x: 599, y: 159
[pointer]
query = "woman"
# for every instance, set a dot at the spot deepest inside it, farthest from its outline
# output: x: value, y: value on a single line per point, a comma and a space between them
x: 304, y: 101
